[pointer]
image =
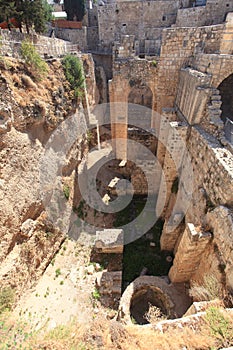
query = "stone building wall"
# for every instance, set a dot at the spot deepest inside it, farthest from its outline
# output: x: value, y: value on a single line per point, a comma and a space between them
x: 178, y: 46
x: 127, y: 75
x: 11, y: 44
x: 75, y: 36
x: 135, y: 18
x: 213, y: 13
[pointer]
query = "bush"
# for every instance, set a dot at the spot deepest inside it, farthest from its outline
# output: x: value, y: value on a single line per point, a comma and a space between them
x: 7, y: 297
x: 73, y: 70
x: 210, y: 289
x: 220, y: 325
x: 32, y: 58
x: 66, y: 191
x: 154, y: 314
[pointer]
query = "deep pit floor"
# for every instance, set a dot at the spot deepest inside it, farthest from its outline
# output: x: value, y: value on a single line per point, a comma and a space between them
x: 64, y: 292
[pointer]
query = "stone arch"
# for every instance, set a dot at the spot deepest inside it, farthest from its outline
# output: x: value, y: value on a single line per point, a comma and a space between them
x: 141, y: 95
x: 140, y: 115
x: 226, y: 92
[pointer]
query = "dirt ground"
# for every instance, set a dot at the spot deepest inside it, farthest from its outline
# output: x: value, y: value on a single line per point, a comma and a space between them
x: 64, y: 291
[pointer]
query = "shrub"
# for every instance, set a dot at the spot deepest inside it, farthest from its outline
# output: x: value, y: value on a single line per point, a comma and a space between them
x: 66, y: 191
x: 32, y: 58
x: 154, y: 314
x: 96, y: 294
x: 220, y: 325
x: 57, y: 272
x: 7, y: 297
x: 154, y: 63
x: 73, y: 70
x: 210, y: 289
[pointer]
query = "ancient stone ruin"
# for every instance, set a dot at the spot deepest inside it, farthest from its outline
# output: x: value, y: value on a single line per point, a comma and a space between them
x: 146, y: 160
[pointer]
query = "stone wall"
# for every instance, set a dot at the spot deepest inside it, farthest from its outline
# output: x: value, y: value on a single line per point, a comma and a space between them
x: 127, y: 75
x: 218, y: 260
x: 178, y: 46
x: 11, y: 44
x: 75, y: 36
x: 218, y: 66
x: 187, y: 259
x: 213, y: 167
x: 213, y: 13
x: 192, y: 94
x: 135, y: 18
x: 227, y: 39
x: 209, y: 211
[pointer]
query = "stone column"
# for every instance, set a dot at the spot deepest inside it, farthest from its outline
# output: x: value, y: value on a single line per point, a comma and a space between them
x: 189, y: 252
x: 119, y: 117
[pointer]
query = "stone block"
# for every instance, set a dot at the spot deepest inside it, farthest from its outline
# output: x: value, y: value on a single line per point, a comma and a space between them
x: 109, y: 241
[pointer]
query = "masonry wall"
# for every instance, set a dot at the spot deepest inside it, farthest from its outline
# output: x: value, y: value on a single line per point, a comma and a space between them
x: 213, y: 13
x: 75, y: 36
x: 178, y: 46
x: 11, y: 44
x: 127, y: 75
x: 135, y: 18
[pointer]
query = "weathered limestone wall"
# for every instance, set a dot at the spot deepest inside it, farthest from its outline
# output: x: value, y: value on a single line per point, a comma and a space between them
x: 187, y: 259
x: 192, y: 94
x: 135, y: 18
x: 217, y: 260
x: 213, y: 167
x: 126, y: 76
x: 218, y: 66
x: 11, y: 44
x: 178, y: 46
x: 226, y: 47
x: 75, y: 36
x: 213, y: 180
x: 213, y: 13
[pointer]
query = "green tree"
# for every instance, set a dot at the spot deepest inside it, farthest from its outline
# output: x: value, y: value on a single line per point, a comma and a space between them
x: 33, y: 13
x: 7, y: 11
x: 73, y: 70
x: 75, y: 9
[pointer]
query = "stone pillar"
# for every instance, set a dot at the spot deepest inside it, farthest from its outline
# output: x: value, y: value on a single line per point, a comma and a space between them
x: 119, y: 117
x: 226, y: 46
x: 188, y: 256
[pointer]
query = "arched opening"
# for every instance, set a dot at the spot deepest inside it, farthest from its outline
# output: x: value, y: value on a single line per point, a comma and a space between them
x: 226, y: 91
x: 140, y: 115
x: 141, y: 95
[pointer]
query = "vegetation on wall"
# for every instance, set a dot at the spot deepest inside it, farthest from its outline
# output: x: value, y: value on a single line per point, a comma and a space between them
x: 32, y: 58
x: 73, y: 70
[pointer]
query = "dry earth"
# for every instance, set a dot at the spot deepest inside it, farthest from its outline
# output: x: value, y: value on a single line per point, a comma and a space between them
x: 63, y: 292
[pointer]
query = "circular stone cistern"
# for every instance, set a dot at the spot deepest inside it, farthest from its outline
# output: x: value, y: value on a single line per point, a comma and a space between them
x: 146, y: 291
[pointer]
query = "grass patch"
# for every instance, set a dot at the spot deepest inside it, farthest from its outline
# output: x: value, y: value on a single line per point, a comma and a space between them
x: 209, y: 290
x: 7, y: 298
x: 66, y: 191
